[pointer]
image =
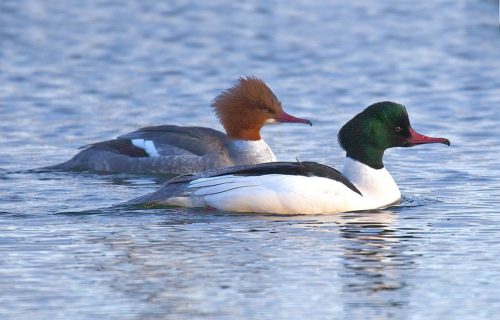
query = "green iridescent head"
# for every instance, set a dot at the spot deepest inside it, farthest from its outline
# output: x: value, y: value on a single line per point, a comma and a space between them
x: 380, y: 126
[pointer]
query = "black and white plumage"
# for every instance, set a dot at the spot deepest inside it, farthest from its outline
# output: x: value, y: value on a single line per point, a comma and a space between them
x: 279, y: 187
x: 307, y: 187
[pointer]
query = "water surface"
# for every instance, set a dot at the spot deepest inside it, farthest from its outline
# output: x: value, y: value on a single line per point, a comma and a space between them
x: 80, y: 72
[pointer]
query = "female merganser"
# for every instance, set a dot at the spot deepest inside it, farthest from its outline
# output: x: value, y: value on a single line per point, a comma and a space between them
x: 307, y: 187
x: 242, y: 110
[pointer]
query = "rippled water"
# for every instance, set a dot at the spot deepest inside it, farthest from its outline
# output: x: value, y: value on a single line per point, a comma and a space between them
x: 77, y: 72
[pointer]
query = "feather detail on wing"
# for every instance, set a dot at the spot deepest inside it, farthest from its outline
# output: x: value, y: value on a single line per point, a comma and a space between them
x: 124, y: 147
x: 297, y: 188
x: 274, y: 193
x: 176, y: 140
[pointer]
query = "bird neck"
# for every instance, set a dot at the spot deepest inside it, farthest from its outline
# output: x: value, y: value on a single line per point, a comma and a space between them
x: 243, y: 134
x: 376, y: 185
x: 367, y: 155
x: 250, y: 152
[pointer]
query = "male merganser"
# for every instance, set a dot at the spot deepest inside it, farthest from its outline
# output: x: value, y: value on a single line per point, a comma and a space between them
x: 242, y: 110
x: 307, y: 187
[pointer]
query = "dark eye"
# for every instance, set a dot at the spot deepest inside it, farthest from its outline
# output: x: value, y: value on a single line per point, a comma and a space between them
x: 398, y: 129
x: 266, y: 109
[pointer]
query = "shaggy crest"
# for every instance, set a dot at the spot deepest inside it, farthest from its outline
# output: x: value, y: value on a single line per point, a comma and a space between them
x: 246, y: 106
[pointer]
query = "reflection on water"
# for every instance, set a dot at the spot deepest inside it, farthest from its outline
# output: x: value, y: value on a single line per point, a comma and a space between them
x: 376, y: 260
x: 191, y: 253
x: 372, y: 258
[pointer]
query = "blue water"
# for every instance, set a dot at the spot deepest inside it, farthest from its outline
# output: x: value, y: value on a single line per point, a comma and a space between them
x: 76, y: 72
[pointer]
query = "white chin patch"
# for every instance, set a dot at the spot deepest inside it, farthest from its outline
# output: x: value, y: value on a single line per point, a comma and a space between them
x: 271, y: 121
x: 146, y: 145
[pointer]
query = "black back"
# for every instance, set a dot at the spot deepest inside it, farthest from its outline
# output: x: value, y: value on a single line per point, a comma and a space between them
x: 308, y: 169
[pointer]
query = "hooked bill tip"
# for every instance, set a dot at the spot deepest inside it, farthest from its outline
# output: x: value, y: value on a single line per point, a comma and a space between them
x: 285, y: 117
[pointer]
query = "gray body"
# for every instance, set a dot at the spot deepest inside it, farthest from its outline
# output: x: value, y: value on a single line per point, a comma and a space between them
x: 179, y: 150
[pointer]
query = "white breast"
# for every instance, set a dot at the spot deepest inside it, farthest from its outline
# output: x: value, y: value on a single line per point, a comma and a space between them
x: 250, y: 152
x: 376, y: 185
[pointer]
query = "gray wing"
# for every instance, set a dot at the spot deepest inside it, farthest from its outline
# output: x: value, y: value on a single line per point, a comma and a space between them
x: 172, y: 140
x: 180, y: 149
x: 124, y: 147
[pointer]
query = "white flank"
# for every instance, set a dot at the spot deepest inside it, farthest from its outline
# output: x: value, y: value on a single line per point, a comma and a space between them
x: 279, y: 194
x: 292, y: 194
